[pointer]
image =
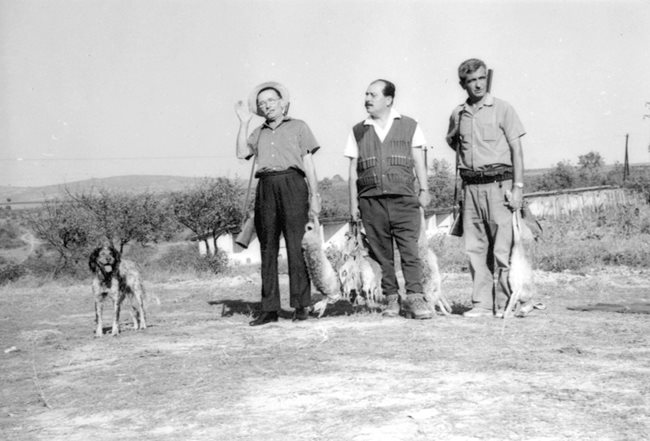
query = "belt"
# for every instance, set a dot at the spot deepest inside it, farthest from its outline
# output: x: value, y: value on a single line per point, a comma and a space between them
x: 476, y: 178
x: 268, y: 173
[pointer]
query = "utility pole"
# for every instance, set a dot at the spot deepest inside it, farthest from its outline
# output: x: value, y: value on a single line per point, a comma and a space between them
x: 647, y: 115
x: 626, y: 164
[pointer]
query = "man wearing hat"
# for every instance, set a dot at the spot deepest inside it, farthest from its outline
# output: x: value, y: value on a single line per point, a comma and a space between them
x: 286, y: 195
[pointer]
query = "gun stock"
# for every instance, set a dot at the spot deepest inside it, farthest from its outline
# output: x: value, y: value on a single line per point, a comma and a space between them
x: 489, y: 80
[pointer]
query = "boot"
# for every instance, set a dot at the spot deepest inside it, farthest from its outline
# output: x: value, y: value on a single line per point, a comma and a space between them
x: 264, y: 318
x: 392, y: 309
x: 415, y: 306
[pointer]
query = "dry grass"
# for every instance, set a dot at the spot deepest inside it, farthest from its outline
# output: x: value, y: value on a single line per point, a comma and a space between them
x: 201, y: 373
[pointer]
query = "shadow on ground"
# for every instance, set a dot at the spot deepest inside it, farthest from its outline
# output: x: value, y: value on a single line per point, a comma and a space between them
x: 231, y: 307
x: 629, y: 308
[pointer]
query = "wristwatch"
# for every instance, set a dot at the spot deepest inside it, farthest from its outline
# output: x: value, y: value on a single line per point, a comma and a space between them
x: 519, y: 184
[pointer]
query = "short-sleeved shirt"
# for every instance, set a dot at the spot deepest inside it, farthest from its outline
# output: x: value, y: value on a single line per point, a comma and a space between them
x: 486, y: 133
x: 352, y: 149
x: 283, y: 147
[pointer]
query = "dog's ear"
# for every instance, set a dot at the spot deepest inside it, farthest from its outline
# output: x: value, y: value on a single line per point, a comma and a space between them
x: 92, y: 260
x: 116, y: 256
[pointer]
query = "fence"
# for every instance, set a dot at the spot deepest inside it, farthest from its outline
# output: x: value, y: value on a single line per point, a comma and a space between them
x: 554, y: 204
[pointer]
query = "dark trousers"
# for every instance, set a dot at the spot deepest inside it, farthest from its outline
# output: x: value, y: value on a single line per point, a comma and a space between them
x: 394, y: 217
x: 281, y: 207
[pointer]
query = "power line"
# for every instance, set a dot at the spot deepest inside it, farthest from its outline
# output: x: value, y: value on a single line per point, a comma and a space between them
x: 118, y: 158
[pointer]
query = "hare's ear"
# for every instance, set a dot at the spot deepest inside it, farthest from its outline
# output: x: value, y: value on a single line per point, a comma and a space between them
x: 92, y: 260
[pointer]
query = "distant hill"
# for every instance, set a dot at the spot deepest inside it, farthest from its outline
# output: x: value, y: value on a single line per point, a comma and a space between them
x: 128, y: 184
x: 166, y: 184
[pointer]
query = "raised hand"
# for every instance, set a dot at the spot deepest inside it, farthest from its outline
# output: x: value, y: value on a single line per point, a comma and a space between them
x: 241, y: 108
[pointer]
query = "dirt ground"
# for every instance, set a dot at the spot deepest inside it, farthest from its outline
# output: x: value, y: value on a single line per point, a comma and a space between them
x: 199, y: 372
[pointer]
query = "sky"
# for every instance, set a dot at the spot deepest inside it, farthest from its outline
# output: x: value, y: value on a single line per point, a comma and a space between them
x: 100, y: 88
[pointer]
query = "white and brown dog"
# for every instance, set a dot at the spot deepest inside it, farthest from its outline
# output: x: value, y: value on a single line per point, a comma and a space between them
x: 116, y: 279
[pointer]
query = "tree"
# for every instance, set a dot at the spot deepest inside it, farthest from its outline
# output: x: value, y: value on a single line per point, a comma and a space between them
x: 64, y: 225
x: 335, y: 198
x: 589, y: 169
x: 441, y: 184
x: 122, y: 217
x: 591, y: 161
x: 211, y: 208
x: 562, y: 176
x: 325, y: 185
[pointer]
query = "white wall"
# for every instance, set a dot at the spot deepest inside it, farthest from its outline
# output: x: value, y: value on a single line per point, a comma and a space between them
x: 436, y: 224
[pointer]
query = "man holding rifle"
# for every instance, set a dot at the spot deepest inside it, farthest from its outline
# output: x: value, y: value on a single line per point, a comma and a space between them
x: 486, y: 134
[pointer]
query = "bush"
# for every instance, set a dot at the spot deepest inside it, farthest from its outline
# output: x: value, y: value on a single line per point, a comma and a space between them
x: 608, y: 236
x: 46, y: 264
x: 10, y: 236
x: 605, y: 237
x: 215, y: 264
x: 11, y: 273
x: 185, y: 257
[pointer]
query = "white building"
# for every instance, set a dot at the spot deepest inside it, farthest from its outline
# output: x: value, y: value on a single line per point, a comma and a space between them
x: 332, y: 231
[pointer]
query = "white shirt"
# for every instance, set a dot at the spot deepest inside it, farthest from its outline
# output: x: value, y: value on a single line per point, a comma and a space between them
x: 352, y: 148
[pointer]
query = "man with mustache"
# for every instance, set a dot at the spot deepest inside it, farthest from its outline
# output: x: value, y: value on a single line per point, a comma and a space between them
x: 286, y: 194
x: 385, y: 152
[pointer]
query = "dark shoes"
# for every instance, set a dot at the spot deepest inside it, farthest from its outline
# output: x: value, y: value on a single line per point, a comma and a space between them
x: 392, y: 308
x: 300, y: 314
x: 413, y: 306
x: 264, y: 318
x: 416, y: 307
x: 272, y: 316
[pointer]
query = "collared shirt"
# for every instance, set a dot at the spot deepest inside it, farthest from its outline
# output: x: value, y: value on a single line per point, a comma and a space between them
x: 352, y: 149
x: 486, y: 132
x: 283, y: 147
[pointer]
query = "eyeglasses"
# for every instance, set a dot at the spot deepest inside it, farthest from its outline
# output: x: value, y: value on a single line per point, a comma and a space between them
x: 268, y: 103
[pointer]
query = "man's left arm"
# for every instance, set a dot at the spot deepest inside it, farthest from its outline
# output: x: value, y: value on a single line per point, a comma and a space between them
x: 309, y: 146
x: 418, y: 144
x: 312, y: 183
x: 514, y: 131
x: 421, y: 173
x: 517, y: 154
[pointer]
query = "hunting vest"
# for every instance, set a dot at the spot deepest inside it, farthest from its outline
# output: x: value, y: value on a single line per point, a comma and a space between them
x: 385, y: 168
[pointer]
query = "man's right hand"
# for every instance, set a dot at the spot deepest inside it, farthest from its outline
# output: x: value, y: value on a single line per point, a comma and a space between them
x: 241, y: 108
x: 452, y: 138
x: 453, y: 131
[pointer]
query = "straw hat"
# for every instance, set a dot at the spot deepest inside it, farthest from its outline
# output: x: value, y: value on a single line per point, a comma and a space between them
x: 252, y: 98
